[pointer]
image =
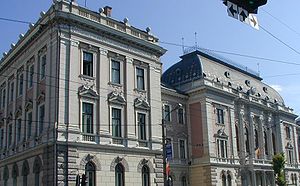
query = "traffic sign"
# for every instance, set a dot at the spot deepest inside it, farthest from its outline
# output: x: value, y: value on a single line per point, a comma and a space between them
x: 243, y: 14
x: 253, y: 21
x: 232, y: 10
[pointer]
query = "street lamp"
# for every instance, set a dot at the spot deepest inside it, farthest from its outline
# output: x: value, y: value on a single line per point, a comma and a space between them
x: 178, y: 106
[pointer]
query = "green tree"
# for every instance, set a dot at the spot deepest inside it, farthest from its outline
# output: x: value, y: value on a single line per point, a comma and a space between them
x: 278, y: 167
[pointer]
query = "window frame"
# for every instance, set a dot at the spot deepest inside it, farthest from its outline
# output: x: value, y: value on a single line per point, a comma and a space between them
x: 137, y: 77
x: 180, y: 150
x: 179, y: 116
x: 145, y: 114
x: 119, y: 173
x: 220, y: 116
x: 112, y: 119
x: 167, y: 113
x: 30, y: 76
x: 120, y: 71
x: 83, y: 127
x: 221, y: 142
x: 92, y: 71
x: 18, y: 130
x: 41, y: 125
x: 12, y: 91
x: 145, y: 176
x: 29, y: 124
x: 20, y: 84
x: 42, y: 66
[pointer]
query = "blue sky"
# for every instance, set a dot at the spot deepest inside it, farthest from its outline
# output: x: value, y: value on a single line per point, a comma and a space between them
x: 171, y: 20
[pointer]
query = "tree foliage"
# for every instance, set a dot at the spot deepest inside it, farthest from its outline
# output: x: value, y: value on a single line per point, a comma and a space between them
x: 278, y: 167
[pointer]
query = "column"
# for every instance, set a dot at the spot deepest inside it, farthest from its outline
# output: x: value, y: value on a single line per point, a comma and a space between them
x: 260, y: 131
x: 295, y: 140
x: 251, y: 137
x: 269, y: 137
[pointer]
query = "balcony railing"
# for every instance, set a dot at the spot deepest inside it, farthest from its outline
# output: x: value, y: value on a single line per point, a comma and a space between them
x: 88, y: 137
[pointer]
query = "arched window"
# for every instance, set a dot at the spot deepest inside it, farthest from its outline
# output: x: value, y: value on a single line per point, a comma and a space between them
x: 229, y: 180
x: 237, y: 138
x: 119, y: 175
x: 247, y: 140
x: 223, y: 180
x: 266, y: 143
x: 15, y: 174
x: 5, y: 175
x: 90, y: 173
x: 37, y: 168
x: 183, y: 181
x: 145, y: 175
x: 25, y: 172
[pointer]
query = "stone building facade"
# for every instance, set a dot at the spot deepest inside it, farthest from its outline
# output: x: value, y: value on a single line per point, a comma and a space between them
x: 80, y: 96
x: 234, y: 124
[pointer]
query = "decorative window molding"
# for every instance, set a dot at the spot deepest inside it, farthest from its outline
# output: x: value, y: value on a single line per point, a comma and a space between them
x: 145, y: 162
x: 90, y: 158
x: 28, y: 105
x: 88, y: 92
x: 140, y: 103
x: 41, y: 98
x: 116, y: 98
x: 221, y: 134
x: 121, y: 161
x: 18, y: 112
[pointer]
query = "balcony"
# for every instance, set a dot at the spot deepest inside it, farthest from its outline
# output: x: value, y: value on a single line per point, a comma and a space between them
x: 89, y: 137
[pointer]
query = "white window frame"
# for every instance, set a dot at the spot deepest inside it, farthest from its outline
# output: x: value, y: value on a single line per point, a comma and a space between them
x: 121, y: 71
x: 183, y: 115
x: 19, y: 84
x: 11, y: 91
x: 170, y: 115
x: 219, y: 153
x: 93, y: 102
x: 3, y: 98
x: 93, y: 66
x: 40, y: 65
x: 31, y: 66
x: 122, y: 119
x: 146, y: 124
x: 27, y: 124
x: 18, y: 133
x: 12, y: 135
x: 217, y: 116
x: 185, y: 148
x: 39, y: 132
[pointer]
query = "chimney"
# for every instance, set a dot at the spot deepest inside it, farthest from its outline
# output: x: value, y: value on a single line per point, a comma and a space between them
x: 107, y: 11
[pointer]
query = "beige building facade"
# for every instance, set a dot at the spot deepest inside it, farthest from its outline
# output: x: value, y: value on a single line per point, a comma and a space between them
x: 234, y: 124
x: 80, y: 96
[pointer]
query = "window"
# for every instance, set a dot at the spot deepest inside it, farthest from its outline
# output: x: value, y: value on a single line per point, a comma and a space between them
x: 119, y: 175
x: 274, y: 143
x: 29, y: 124
x: 290, y: 156
x: 166, y: 113
x: 266, y: 143
x: 1, y: 138
x: 30, y: 76
x: 21, y: 81
x: 41, y: 118
x: 237, y: 138
x: 288, y: 132
x: 12, y: 91
x: 37, y: 179
x: 229, y: 180
x: 87, y: 118
x: 116, y: 122
x: 222, y: 148
x: 180, y: 116
x: 43, y: 67
x: 182, y: 154
x: 19, y: 125
x: 223, y: 180
x: 90, y: 173
x: 87, y: 64
x: 256, y: 139
x: 145, y: 176
x: 220, y: 115
x: 25, y: 180
x: 9, y: 134
x: 140, y: 84
x: 3, y: 98
x: 247, y: 142
x: 142, y: 126
x: 183, y: 181
x: 115, y: 72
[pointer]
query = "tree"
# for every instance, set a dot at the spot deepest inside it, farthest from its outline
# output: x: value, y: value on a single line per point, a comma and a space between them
x: 278, y: 167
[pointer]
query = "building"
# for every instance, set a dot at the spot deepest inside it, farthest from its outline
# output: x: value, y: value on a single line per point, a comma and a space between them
x: 80, y: 96
x: 230, y: 125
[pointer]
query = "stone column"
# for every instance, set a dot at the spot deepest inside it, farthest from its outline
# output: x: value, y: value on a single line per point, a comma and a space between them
x: 269, y: 137
x: 295, y: 145
x: 261, y: 137
x: 251, y: 137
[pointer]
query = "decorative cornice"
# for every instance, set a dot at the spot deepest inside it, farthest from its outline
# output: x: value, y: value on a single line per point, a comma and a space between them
x: 141, y: 103
x: 117, y: 98
x: 88, y: 91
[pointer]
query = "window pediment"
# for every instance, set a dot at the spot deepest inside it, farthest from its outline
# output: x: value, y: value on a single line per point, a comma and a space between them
x: 28, y: 106
x: 141, y: 104
x: 18, y: 112
x: 116, y: 97
x: 41, y: 98
x: 221, y: 134
x: 85, y: 91
x: 289, y: 145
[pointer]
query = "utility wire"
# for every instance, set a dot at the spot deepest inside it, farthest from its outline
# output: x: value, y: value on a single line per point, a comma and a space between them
x: 14, y: 20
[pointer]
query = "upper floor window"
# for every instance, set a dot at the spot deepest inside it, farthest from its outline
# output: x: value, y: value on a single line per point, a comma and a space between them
x: 1, y: 138
x: 87, y: 64
x: 222, y: 148
x: 220, y: 116
x: 182, y: 149
x: 19, y: 125
x: 290, y: 156
x: 167, y: 113
x: 288, y: 132
x: 41, y: 118
x: 116, y: 122
x: 87, y: 118
x: 3, y: 98
x: 180, y: 116
x: 115, y: 72
x: 42, y: 64
x: 140, y: 78
x: 12, y: 86
x: 142, y: 126
x: 9, y: 134
x: 29, y: 124
x: 21, y: 82
x: 30, y: 76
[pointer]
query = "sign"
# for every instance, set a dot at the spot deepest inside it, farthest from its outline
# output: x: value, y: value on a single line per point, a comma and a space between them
x: 232, y: 10
x: 253, y: 21
x: 243, y: 14
x: 169, y: 151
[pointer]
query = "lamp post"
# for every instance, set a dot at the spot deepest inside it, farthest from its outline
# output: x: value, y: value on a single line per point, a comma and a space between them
x: 178, y: 106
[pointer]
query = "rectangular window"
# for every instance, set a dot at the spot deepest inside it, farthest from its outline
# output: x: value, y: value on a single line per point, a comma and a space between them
x: 19, y: 125
x: 140, y: 82
x: 30, y: 76
x: 29, y: 124
x: 21, y: 81
x: 87, y: 118
x: 288, y: 132
x: 41, y: 118
x: 182, y: 154
x: 12, y: 91
x: 220, y: 115
x: 115, y: 72
x: 116, y: 122
x: 222, y: 148
x: 3, y: 98
x: 1, y: 138
x: 142, y: 126
x: 166, y: 113
x: 9, y: 134
x: 87, y: 64
x: 43, y: 67
x: 290, y: 156
x: 180, y: 116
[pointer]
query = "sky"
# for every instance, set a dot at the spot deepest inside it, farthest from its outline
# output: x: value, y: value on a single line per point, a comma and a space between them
x: 172, y: 20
